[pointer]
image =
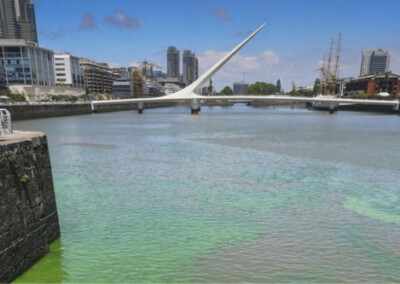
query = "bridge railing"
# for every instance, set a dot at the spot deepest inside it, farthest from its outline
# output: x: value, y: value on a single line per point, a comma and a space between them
x: 5, y: 122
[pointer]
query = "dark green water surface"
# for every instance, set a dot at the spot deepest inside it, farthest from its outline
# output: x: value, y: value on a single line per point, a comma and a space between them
x: 232, y: 195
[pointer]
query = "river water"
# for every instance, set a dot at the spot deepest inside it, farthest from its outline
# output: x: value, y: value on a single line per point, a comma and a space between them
x: 236, y: 194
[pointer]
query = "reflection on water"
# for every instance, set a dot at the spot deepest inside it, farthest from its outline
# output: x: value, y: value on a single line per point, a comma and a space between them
x: 92, y: 145
x: 232, y: 195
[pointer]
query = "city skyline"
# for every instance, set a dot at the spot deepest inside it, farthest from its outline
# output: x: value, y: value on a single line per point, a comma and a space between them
x: 291, y: 46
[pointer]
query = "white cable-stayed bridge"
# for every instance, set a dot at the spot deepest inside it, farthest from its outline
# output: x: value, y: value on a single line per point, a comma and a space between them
x: 191, y: 94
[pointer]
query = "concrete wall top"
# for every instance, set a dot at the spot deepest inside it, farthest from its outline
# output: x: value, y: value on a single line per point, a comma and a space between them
x: 20, y: 136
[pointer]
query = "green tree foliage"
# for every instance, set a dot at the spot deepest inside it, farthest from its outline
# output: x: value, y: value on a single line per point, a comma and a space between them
x: 14, y: 97
x: 301, y: 94
x: 226, y: 91
x: 361, y: 95
x: 84, y: 97
x: 5, y: 92
x: 17, y: 97
x: 63, y: 98
x: 262, y: 88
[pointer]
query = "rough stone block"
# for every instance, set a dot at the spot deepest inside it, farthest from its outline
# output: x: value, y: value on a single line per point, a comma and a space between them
x: 36, y: 141
x: 28, y: 212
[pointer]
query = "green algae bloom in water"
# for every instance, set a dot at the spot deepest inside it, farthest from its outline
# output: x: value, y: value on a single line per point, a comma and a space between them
x: 384, y: 206
x: 49, y: 269
x: 232, y: 195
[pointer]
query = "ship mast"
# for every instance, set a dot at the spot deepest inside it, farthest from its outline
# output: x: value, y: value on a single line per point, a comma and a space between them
x: 330, y: 57
x: 329, y: 76
x: 337, y: 58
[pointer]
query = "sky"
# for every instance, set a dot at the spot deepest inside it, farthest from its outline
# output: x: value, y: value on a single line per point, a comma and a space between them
x: 291, y: 46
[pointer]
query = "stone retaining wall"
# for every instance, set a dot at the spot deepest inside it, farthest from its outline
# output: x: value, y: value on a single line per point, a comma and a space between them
x: 28, y: 212
x: 31, y: 111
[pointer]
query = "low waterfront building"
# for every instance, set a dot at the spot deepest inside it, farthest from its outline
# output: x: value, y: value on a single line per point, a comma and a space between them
x: 29, y: 70
x: 123, y: 84
x: 68, y: 72
x: 240, y: 88
x: 305, y: 89
x: 98, y: 77
x: 170, y: 88
x: 374, y: 84
x: 152, y: 88
x: 25, y: 63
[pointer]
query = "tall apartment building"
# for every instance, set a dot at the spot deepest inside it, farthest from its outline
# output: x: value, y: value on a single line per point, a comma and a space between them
x: 240, y: 88
x: 68, y: 72
x: 98, y: 77
x: 374, y: 62
x: 172, y: 62
x: 196, y: 68
x: 17, y: 20
x: 190, y: 67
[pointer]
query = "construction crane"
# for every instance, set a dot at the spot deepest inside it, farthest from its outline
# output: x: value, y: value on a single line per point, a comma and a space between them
x: 146, y: 66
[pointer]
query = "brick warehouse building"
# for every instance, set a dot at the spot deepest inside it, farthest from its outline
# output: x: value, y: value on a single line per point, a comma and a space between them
x: 375, y: 84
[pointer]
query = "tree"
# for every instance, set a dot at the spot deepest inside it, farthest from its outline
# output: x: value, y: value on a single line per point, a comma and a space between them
x: 5, y: 92
x: 84, y: 97
x: 262, y: 88
x: 361, y: 95
x: 226, y: 91
x: 16, y: 97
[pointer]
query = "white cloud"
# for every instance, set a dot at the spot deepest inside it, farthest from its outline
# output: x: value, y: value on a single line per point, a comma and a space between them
x: 114, y: 65
x: 121, y: 20
x: 88, y: 22
x: 221, y: 14
x: 268, y: 66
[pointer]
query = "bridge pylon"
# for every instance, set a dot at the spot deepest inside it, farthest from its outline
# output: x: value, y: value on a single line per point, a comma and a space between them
x: 140, y: 107
x: 195, y: 106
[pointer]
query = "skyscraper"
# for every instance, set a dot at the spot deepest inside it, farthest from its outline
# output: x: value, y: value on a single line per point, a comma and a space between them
x: 375, y: 62
x: 172, y: 62
x: 380, y: 61
x: 190, y: 67
x: 240, y: 88
x: 196, y: 68
x: 365, y: 62
x: 278, y: 86
x: 17, y: 20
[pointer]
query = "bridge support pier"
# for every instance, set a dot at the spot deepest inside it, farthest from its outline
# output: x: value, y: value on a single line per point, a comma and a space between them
x: 195, y: 106
x: 140, y: 108
x: 332, y: 108
x: 396, y: 108
x: 94, y: 110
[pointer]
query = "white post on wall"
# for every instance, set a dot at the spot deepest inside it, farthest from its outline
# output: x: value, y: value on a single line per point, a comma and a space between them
x: 5, y: 122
